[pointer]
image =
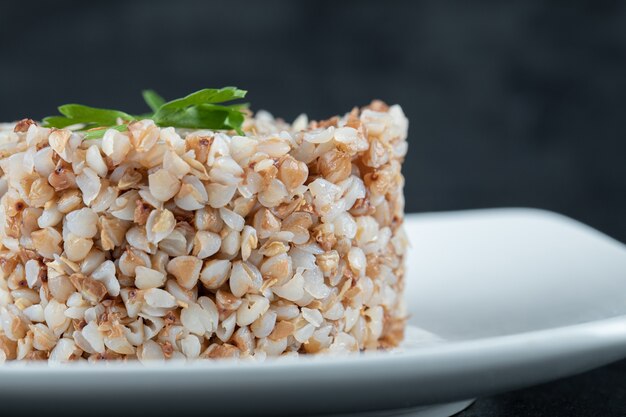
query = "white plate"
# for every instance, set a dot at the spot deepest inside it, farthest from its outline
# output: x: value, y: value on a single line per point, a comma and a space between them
x: 499, y: 299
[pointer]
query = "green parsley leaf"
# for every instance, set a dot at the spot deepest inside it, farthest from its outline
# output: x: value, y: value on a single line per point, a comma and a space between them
x: 199, y: 110
x: 152, y: 99
x: 99, y: 132
x: 59, y: 122
x: 93, y: 115
x: 198, y: 117
x: 205, y: 96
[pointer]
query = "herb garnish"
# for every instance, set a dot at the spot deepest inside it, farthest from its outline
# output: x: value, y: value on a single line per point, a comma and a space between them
x: 204, y: 109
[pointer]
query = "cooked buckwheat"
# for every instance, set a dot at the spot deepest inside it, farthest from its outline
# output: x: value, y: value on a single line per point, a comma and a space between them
x: 157, y: 243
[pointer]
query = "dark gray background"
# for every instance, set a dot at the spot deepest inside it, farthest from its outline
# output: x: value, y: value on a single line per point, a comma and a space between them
x: 511, y: 103
x: 518, y: 103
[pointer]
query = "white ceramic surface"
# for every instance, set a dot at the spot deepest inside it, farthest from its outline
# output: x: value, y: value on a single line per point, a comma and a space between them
x: 499, y: 299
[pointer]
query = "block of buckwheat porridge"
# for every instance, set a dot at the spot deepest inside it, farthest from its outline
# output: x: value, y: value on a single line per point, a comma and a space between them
x: 159, y: 238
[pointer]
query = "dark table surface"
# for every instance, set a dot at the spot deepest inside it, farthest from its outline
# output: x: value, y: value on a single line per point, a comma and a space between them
x: 601, y: 392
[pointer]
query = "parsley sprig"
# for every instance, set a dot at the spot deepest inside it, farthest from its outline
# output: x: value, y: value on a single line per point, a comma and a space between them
x: 204, y: 109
